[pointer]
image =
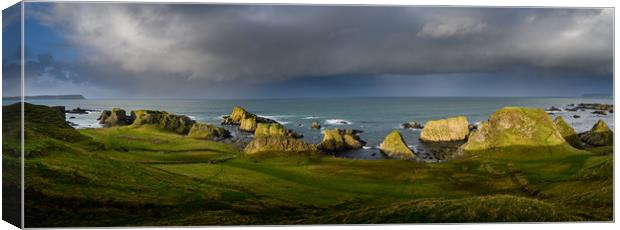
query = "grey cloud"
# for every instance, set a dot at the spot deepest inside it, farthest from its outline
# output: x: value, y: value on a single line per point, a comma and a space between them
x: 208, y: 44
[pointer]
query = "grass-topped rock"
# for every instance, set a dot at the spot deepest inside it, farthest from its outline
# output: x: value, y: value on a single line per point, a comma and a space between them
x: 567, y: 132
x: 180, y: 124
x: 245, y: 120
x: 273, y: 137
x: 116, y: 117
x: 449, y: 129
x: 339, y: 140
x: 394, y: 146
x: 514, y: 130
x: 599, y: 135
x: 208, y: 132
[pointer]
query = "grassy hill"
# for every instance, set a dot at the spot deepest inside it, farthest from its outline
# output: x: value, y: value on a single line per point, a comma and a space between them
x: 127, y: 176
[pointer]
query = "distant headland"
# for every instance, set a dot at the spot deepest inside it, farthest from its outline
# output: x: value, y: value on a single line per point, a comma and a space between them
x: 49, y: 97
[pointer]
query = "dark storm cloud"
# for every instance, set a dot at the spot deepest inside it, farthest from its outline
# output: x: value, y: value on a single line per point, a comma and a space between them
x: 124, y: 45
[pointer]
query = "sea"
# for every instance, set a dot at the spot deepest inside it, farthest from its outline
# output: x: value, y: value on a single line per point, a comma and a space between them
x: 376, y: 117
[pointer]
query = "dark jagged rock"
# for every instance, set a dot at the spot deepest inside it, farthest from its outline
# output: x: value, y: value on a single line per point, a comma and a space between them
x: 79, y: 110
x: 553, y: 108
x: 340, y: 140
x: 599, y: 135
x: 571, y: 109
x: 600, y: 112
x: 412, y: 125
x: 576, y: 116
x: 596, y: 106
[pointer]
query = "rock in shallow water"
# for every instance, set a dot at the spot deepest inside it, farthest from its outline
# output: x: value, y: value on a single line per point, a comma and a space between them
x: 412, y: 125
x: 394, y: 146
x: 599, y: 135
x: 335, y: 140
x: 450, y: 129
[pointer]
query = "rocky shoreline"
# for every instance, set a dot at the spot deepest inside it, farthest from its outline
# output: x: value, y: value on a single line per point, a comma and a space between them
x: 441, y: 139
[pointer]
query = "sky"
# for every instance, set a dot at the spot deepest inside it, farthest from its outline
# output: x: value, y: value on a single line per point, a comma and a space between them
x: 138, y: 50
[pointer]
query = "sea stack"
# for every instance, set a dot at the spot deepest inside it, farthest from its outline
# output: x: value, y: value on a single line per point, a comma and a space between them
x: 394, y: 146
x: 599, y: 135
x: 446, y: 130
x: 514, y: 130
x: 335, y: 140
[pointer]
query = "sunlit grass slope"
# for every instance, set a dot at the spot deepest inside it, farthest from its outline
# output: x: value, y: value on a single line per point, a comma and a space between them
x: 144, y: 176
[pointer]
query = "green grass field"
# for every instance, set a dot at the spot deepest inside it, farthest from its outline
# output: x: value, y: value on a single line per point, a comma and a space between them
x: 129, y: 176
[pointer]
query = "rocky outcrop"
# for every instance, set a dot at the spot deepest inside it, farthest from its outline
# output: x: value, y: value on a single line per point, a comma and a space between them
x: 515, y: 130
x: 315, y: 125
x: 278, y: 145
x: 180, y: 124
x: 599, y: 135
x: 596, y: 106
x: 450, y: 129
x: 208, y: 132
x: 335, y: 140
x: 239, y: 114
x: 116, y: 117
x: 61, y: 111
x: 79, y: 110
x: 248, y: 124
x: 600, y: 112
x: 274, y: 130
x: 553, y: 108
x: 394, y: 146
x: 273, y: 137
x: 567, y: 132
x: 412, y: 125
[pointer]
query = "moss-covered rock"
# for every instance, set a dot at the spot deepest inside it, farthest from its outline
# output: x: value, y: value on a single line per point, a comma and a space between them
x: 335, y: 140
x: 394, y: 146
x: 271, y: 144
x: 515, y: 130
x: 176, y: 123
x: 208, y: 132
x: 567, y: 132
x: 599, y: 135
x: 116, y: 117
x: 270, y: 130
x: 450, y: 129
x: 315, y: 125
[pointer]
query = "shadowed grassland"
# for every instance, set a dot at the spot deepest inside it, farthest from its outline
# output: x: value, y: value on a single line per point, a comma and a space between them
x: 144, y: 176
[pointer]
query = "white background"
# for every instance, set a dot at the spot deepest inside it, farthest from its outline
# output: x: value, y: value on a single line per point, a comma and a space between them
x: 508, y: 3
